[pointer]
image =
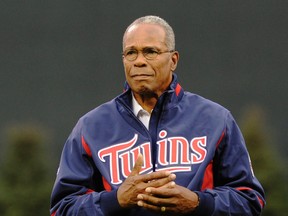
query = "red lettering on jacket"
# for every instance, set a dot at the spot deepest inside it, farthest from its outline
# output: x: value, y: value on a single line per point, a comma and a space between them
x: 199, y: 152
x: 174, y: 153
x: 113, y: 153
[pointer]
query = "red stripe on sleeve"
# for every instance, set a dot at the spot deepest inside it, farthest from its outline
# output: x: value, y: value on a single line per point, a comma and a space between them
x: 208, y: 180
x: 243, y: 188
x: 107, y: 186
x: 261, y: 201
x: 89, y: 191
x: 247, y: 188
x: 177, y: 89
x: 86, y: 147
x: 221, y: 138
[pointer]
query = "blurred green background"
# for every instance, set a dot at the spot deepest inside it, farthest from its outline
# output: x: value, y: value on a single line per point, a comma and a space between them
x: 60, y: 59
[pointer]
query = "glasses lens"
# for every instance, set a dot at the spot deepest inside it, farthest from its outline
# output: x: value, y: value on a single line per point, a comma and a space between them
x: 131, y: 54
x: 150, y: 53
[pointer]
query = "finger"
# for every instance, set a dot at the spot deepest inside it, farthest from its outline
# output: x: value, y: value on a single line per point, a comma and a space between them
x: 168, y: 185
x: 155, y: 175
x: 149, y: 206
x: 171, y: 184
x: 166, y: 190
x: 163, y: 181
x: 152, y: 202
x: 137, y: 166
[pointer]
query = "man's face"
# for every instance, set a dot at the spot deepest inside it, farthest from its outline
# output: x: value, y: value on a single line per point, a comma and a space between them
x: 148, y: 77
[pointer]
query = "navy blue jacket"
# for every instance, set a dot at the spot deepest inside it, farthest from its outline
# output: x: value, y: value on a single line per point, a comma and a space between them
x: 193, y: 137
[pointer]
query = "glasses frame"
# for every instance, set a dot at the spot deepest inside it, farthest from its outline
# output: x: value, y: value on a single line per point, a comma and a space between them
x: 145, y: 54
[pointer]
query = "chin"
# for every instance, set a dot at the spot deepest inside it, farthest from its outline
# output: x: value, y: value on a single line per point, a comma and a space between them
x: 145, y: 91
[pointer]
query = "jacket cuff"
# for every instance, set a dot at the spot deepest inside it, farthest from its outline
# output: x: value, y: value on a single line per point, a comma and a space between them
x: 109, y: 202
x: 206, y: 204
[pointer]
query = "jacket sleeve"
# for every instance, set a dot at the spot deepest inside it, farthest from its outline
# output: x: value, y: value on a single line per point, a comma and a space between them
x: 78, y: 188
x: 236, y: 190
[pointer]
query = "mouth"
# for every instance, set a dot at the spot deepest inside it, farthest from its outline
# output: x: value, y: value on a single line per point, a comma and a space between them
x: 141, y: 76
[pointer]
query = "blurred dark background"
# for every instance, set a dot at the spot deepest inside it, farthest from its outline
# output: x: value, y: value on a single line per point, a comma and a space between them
x: 60, y: 59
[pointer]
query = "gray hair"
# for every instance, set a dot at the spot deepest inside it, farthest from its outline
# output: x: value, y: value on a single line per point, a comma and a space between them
x: 170, y: 36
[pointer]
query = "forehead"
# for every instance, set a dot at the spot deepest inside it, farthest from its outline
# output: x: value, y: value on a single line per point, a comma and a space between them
x: 143, y: 35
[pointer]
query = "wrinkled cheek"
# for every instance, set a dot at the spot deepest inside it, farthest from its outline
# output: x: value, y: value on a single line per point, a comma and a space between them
x: 126, y: 71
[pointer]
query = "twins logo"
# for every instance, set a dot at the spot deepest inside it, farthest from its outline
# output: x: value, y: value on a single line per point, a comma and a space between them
x: 174, y: 153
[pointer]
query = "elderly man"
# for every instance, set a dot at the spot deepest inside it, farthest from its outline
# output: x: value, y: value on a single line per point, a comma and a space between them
x: 155, y: 149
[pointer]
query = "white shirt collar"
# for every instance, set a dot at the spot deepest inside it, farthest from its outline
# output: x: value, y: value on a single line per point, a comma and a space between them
x: 140, y: 113
x: 136, y: 106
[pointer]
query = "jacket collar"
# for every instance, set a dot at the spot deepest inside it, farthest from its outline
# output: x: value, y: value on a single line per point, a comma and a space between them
x: 174, y: 86
x: 174, y: 93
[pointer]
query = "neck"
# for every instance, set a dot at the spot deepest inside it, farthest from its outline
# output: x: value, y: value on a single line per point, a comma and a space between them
x: 146, y: 102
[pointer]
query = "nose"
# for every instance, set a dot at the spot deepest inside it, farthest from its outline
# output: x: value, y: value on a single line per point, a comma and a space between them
x: 140, y: 61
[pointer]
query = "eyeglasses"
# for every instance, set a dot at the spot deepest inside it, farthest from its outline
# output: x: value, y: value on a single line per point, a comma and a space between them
x: 148, y: 53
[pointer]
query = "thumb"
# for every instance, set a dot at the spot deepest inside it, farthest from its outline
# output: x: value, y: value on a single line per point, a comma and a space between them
x: 137, y: 166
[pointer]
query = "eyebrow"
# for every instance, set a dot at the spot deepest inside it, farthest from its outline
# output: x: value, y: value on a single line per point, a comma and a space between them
x: 146, y: 47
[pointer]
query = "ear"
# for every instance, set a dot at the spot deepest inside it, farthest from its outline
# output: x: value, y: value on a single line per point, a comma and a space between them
x: 174, y: 58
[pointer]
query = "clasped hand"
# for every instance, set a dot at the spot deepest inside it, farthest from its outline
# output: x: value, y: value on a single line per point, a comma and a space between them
x: 156, y: 191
